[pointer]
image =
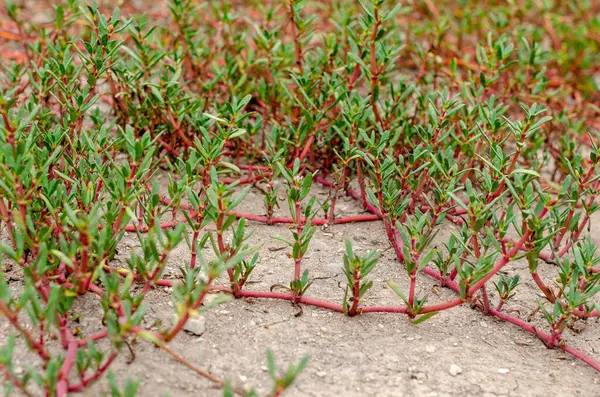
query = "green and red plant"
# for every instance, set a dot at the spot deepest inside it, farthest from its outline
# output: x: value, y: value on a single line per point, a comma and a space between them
x: 424, y: 118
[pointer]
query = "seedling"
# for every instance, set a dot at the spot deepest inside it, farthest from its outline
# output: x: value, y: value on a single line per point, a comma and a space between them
x: 357, y: 269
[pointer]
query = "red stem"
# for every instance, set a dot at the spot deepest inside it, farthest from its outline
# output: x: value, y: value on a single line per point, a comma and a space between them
x: 384, y: 309
x: 99, y: 372
x: 374, y: 70
x: 194, y: 249
x: 93, y: 337
x: 159, y: 266
x: 13, y: 319
x: 441, y: 306
x: 243, y: 181
x: 290, y: 297
x: 411, y: 291
x: 62, y: 388
x: 164, y: 225
x: 296, y: 35
x: 582, y: 356
x: 505, y: 259
x: 315, y: 222
x: 307, y: 146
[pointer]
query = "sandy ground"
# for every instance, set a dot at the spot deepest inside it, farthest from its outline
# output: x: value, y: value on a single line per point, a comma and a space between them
x: 368, y: 355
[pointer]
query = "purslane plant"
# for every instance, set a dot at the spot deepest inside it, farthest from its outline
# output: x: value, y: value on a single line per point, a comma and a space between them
x: 423, y: 117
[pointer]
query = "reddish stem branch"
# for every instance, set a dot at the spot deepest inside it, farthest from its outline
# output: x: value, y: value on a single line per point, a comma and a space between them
x: 13, y: 319
x: 315, y: 222
x: 97, y: 374
x: 197, y: 370
x: 62, y: 387
x: 296, y: 36
x: 501, y: 263
x: 290, y: 297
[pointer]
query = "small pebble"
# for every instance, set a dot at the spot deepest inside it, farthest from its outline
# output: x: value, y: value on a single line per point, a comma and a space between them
x: 455, y: 370
x: 430, y: 349
x: 195, y: 326
x: 503, y: 370
x: 321, y: 374
x: 243, y: 378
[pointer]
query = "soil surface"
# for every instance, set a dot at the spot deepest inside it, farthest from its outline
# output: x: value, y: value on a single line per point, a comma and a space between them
x: 459, y: 352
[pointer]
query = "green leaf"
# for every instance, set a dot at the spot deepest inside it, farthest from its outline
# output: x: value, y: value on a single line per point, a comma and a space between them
x: 397, y: 290
x: 239, y: 198
x: 282, y: 239
x: 150, y: 337
x: 271, y: 363
x: 210, y: 116
x: 63, y: 258
x: 426, y: 259
x: 237, y: 133
x: 424, y: 317
x: 231, y: 166
x: 526, y: 171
